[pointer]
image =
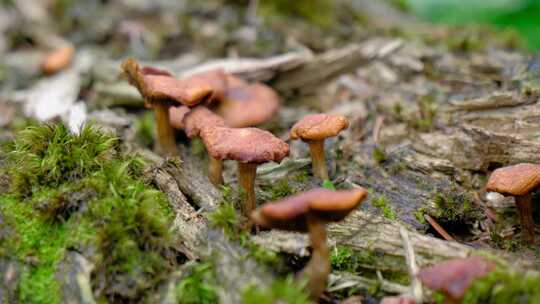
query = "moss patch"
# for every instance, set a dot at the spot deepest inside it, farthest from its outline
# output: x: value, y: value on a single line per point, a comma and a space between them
x: 79, y: 192
x: 505, y: 286
x: 199, y: 286
x: 381, y: 203
x: 285, y: 291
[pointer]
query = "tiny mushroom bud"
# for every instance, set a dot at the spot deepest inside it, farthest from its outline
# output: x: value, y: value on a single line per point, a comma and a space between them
x: 454, y: 277
x: 248, y: 105
x: 249, y: 147
x: 518, y: 181
x: 161, y: 90
x: 309, y: 212
x: 58, y: 59
x: 197, y: 120
x: 314, y: 129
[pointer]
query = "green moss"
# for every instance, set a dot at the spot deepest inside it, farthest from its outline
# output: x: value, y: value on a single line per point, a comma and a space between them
x: 328, y: 185
x: 279, y: 189
x: 225, y: 216
x: 286, y: 291
x: 343, y: 259
x: 318, y: 12
x: 397, y: 166
x: 381, y: 203
x: 427, y: 111
x: 199, y: 286
x: 419, y: 215
x: 379, y: 156
x: 505, y: 285
x: 49, y: 155
x: 71, y: 192
x: 145, y: 129
x: 451, y: 206
x: 197, y: 148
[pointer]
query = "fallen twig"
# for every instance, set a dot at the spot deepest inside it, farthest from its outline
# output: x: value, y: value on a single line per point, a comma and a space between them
x: 438, y: 228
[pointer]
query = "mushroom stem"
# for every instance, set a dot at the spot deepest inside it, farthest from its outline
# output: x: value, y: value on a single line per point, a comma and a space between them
x: 318, y: 162
x: 246, y: 180
x: 165, y: 132
x: 524, y: 205
x: 318, y: 268
x: 215, y: 171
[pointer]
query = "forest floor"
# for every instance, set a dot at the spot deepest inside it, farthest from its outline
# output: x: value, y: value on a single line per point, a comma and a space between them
x: 94, y: 215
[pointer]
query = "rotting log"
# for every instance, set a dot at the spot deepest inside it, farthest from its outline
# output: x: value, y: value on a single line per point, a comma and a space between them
x: 233, y: 267
x: 235, y: 270
x: 376, y: 239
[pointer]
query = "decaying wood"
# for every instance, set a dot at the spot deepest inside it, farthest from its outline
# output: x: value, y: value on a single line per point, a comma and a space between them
x: 235, y: 270
x: 343, y: 280
x: 375, y: 235
x: 322, y: 68
x: 474, y: 148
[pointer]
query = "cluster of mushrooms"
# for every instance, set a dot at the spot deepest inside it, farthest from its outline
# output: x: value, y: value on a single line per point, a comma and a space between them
x: 222, y: 111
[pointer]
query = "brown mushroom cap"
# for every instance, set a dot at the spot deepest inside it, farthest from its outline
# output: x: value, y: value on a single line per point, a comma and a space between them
x: 200, y: 118
x: 248, y: 105
x: 246, y: 145
x: 291, y: 213
x: 58, y: 59
x: 454, y: 277
x: 234, y: 82
x: 319, y: 126
x: 516, y: 180
x: 176, y: 116
x: 158, y: 86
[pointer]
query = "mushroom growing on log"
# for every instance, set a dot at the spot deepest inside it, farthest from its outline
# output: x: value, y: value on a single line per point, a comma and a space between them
x: 161, y: 90
x: 249, y: 147
x: 195, y: 122
x: 310, y: 212
x: 314, y: 129
x: 454, y: 277
x: 248, y: 105
x: 518, y: 181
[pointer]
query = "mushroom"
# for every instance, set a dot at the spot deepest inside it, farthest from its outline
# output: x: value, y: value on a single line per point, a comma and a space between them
x: 314, y: 129
x: 176, y: 116
x: 194, y: 122
x: 247, y: 105
x: 161, y: 90
x: 518, y: 181
x: 454, y: 277
x: 309, y: 212
x: 58, y: 59
x: 249, y: 147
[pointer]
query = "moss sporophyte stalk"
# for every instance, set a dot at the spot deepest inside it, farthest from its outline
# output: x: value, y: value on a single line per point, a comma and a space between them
x: 80, y: 192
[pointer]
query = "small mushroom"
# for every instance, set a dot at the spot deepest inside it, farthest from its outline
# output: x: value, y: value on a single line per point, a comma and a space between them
x: 247, y: 105
x: 518, y: 181
x: 161, y: 90
x: 249, y: 147
x: 454, y: 277
x: 194, y: 122
x: 314, y: 129
x: 58, y: 60
x: 309, y: 212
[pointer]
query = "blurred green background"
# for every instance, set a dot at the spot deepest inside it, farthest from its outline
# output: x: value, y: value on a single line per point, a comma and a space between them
x: 521, y: 15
